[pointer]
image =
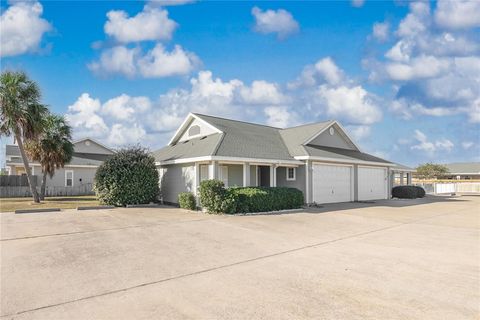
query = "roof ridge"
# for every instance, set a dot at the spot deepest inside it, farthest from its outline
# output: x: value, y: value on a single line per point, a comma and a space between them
x: 241, y: 121
x: 307, y: 124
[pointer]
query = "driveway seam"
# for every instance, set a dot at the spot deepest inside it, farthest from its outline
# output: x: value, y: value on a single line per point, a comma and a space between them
x: 186, y: 275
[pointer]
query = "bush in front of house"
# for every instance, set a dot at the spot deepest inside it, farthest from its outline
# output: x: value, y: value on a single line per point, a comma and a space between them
x: 262, y: 199
x: 186, y: 200
x: 408, y: 192
x: 128, y: 177
x: 216, y: 199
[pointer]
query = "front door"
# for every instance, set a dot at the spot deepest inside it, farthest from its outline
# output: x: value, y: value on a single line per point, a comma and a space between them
x: 264, y: 176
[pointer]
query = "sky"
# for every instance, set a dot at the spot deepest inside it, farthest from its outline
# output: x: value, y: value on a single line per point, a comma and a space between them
x: 402, y: 77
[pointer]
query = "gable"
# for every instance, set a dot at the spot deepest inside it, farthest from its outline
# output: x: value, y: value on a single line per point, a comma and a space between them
x: 90, y: 146
x: 335, y: 139
x: 196, y: 128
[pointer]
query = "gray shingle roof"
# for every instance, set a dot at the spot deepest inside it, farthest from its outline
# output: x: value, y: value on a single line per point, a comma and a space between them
x: 341, y: 154
x: 463, y: 167
x: 249, y: 140
x: 296, y: 136
x: 91, y: 159
x: 198, y: 147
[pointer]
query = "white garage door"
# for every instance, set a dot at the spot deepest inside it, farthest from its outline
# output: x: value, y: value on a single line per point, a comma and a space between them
x: 332, y: 183
x: 372, y: 183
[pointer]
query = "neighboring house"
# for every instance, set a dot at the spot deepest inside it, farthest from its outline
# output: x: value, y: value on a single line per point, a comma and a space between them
x: 75, y: 178
x: 463, y: 170
x: 320, y: 159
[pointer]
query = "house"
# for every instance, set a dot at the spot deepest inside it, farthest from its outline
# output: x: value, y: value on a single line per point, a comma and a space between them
x: 320, y: 159
x: 463, y: 170
x: 75, y: 178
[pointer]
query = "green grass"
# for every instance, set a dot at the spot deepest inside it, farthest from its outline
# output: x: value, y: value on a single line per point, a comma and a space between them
x: 71, y: 202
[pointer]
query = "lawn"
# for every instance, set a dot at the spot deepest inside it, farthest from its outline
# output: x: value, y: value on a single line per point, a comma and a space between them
x: 71, y: 202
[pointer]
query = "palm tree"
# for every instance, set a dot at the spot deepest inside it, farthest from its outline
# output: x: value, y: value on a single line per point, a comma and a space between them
x: 21, y: 114
x: 53, y: 149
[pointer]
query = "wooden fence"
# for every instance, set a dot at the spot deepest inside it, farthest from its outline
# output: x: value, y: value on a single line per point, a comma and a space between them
x: 24, y: 191
x: 16, y: 181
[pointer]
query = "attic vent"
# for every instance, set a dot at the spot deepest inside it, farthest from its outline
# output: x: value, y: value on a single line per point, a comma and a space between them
x: 87, y: 143
x: 193, y: 131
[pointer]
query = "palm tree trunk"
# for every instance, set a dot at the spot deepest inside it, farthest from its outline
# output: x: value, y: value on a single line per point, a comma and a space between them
x: 33, y: 189
x: 44, y: 182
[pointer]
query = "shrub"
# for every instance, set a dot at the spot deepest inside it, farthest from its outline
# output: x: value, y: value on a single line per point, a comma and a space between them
x: 186, y: 200
x: 408, y: 192
x: 213, y: 195
x: 261, y: 199
x: 216, y: 199
x: 128, y: 177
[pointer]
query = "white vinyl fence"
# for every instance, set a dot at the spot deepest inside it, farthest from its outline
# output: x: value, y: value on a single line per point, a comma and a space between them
x: 450, y: 187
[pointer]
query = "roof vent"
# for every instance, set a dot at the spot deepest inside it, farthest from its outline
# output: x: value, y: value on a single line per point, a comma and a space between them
x: 203, y: 137
x: 186, y: 141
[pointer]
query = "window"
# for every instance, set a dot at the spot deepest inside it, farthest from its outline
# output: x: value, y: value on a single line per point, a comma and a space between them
x: 203, y: 172
x: 223, y: 175
x: 291, y: 174
x: 193, y: 131
x: 68, y: 178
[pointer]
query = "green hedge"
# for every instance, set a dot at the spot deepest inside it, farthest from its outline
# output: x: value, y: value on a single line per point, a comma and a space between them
x: 128, y: 177
x: 186, y: 200
x: 216, y: 199
x: 408, y: 192
x: 261, y: 199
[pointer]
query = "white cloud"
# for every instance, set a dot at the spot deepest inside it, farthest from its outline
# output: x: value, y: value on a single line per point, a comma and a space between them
x: 124, y: 107
x: 278, y: 21
x: 155, y: 63
x: 350, y: 103
x: 159, y: 63
x: 467, y: 145
x: 262, y: 92
x: 121, y: 135
x: 381, y: 30
x: 117, y: 60
x: 359, y: 132
x: 323, y: 71
x: 280, y: 116
x: 22, y: 28
x: 82, y: 116
x: 419, y: 67
x: 431, y: 147
x: 150, y: 24
x: 358, y: 3
x: 458, y: 14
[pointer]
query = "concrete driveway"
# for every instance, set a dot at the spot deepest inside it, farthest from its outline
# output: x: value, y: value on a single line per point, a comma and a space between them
x: 403, y: 259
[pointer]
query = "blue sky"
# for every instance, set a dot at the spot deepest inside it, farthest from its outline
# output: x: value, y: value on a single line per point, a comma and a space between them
x: 402, y: 77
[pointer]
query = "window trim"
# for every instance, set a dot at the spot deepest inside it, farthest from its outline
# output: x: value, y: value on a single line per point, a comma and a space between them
x: 294, y: 174
x: 73, y: 179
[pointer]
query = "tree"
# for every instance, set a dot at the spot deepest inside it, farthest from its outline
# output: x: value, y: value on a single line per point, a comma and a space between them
x: 431, y: 171
x: 128, y: 177
x: 53, y: 149
x: 21, y: 114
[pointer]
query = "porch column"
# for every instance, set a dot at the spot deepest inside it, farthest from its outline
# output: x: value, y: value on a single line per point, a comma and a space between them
x: 409, y: 178
x: 246, y: 174
x: 197, y: 178
x: 401, y: 178
x: 273, y: 175
x: 213, y: 170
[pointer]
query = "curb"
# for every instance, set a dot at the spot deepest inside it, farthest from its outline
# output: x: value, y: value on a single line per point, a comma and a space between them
x: 95, y: 207
x: 153, y: 205
x: 269, y: 212
x: 37, y: 210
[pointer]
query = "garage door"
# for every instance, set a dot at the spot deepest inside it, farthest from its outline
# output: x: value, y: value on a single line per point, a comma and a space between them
x: 372, y: 183
x: 332, y: 183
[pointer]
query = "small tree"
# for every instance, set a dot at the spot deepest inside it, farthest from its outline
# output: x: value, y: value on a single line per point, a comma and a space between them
x: 53, y: 149
x: 431, y: 171
x: 128, y: 177
x: 21, y: 114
